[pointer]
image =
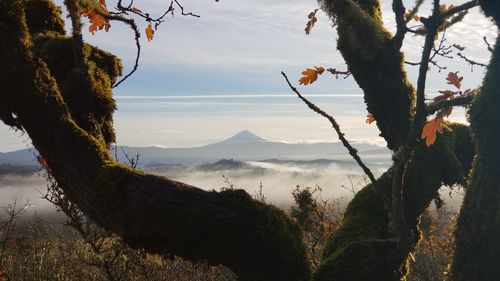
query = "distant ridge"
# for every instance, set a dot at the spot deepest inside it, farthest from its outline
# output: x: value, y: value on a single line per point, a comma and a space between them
x: 243, y: 146
x: 244, y: 136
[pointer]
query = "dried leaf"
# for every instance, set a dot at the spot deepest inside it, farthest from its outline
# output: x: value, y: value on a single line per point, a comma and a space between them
x: 310, y: 75
x: 98, y: 22
x: 454, y: 80
x: 150, y: 32
x: 320, y: 70
x: 430, y: 129
x: 369, y: 118
x: 409, y: 15
x: 443, y: 8
x: 137, y: 10
x: 312, y: 20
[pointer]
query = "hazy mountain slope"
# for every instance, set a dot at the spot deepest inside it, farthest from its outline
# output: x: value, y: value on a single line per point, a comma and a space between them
x: 244, y: 146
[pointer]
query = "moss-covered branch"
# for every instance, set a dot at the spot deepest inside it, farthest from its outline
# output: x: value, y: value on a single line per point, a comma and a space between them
x: 257, y: 241
x: 363, y: 248
x: 376, y: 64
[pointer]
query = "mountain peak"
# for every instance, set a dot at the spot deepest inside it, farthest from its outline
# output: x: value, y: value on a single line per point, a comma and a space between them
x: 244, y: 136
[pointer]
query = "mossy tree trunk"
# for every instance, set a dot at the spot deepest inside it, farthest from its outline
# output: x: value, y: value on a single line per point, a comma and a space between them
x: 477, y: 251
x: 66, y: 109
x: 364, y: 247
x: 257, y: 241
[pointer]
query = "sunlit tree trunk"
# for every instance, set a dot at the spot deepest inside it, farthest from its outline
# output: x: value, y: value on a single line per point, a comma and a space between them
x: 478, y: 229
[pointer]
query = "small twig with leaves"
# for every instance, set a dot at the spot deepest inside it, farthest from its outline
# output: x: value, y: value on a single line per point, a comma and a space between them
x: 99, y: 17
x: 488, y: 44
x: 8, y: 225
x: 130, y: 9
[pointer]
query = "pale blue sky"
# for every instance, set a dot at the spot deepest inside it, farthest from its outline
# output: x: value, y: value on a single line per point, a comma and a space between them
x: 214, y: 76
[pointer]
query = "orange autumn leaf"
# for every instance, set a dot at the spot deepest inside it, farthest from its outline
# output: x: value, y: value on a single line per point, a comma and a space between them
x: 369, y: 118
x: 310, y: 75
x: 409, y: 15
x: 137, y: 10
x: 312, y: 20
x: 150, y: 32
x: 97, y: 22
x: 430, y: 130
x: 42, y: 162
x: 320, y: 70
x: 454, y: 80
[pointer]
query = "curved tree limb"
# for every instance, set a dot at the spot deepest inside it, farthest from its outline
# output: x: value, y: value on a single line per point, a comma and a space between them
x: 257, y: 241
x: 352, y: 151
x: 376, y: 65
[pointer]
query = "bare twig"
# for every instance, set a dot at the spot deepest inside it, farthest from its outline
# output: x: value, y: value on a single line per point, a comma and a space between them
x: 402, y: 156
x: 352, y: 151
x: 132, y: 161
x: 337, y: 73
x: 131, y: 23
x: 8, y: 226
x: 412, y: 63
x: 488, y: 44
x: 470, y: 61
x: 130, y: 9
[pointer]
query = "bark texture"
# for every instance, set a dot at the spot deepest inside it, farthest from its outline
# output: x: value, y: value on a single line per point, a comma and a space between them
x: 257, y: 241
x: 477, y: 235
x: 363, y: 248
x: 375, y: 63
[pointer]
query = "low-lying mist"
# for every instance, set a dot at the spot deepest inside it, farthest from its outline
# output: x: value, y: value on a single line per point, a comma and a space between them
x: 276, y: 179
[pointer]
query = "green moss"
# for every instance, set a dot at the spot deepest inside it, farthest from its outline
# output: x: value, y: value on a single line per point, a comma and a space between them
x: 477, y: 245
x: 267, y: 243
x: 90, y: 101
x: 43, y: 16
x: 376, y: 66
x: 362, y: 248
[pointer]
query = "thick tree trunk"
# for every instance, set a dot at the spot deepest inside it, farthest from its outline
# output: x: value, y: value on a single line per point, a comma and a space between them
x: 477, y: 251
x: 257, y: 241
x: 375, y: 63
x: 364, y: 248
